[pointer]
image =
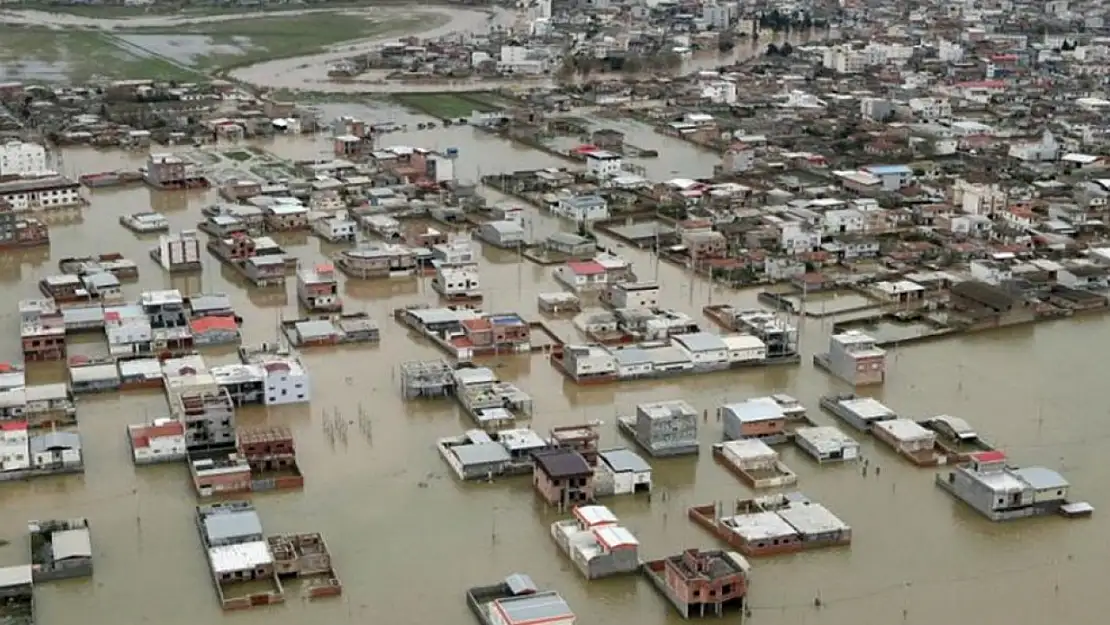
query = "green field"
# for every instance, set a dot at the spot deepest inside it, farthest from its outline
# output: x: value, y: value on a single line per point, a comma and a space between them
x: 266, y: 38
x: 447, y: 105
x: 34, y: 53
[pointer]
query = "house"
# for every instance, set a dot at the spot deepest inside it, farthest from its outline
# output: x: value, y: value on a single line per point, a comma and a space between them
x: 457, y: 283
x: 603, y: 164
x: 909, y: 439
x: 60, y: 549
x: 665, y: 428
x: 582, y: 275
x: 563, y: 478
x: 1000, y: 493
x: 596, y: 543
x: 1079, y: 276
x: 754, y: 462
x: 215, y: 330
x: 318, y: 288
x: 387, y: 260
x: 622, y: 471
x: 705, y: 244
x: 587, y: 364
x: 238, y: 554
x: 336, y: 229
x: 178, y: 252
x: 701, y: 583
x: 759, y: 418
x: 502, y: 233
x: 773, y: 524
x: 522, y: 607
x: 891, y: 177
x: 570, y: 245
x: 631, y: 295
x: 14, y: 450
x: 862, y: 413
x: 826, y: 444
x: 56, y: 451
x: 160, y: 441
x: 582, y: 208
x: 705, y: 350
x: 854, y: 358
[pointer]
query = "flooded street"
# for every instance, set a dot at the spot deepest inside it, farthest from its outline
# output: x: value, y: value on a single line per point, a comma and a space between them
x: 407, y: 539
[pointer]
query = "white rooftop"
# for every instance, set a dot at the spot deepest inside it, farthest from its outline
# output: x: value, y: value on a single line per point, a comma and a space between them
x: 240, y: 557
x: 867, y: 408
x: 759, y: 526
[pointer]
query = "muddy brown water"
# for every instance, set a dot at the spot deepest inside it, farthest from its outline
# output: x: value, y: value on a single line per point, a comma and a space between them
x: 407, y: 539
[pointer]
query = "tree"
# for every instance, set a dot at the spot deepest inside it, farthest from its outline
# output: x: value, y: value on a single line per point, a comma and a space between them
x: 786, y: 49
x: 772, y: 50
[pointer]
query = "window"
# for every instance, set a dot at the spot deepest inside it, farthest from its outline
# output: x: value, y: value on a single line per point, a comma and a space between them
x: 284, y: 392
x: 726, y: 589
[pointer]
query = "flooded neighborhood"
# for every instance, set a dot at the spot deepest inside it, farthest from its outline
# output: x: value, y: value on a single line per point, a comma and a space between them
x: 623, y: 312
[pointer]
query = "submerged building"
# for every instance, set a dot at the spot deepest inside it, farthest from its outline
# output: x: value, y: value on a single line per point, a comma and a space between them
x: 596, y: 543
x: 853, y: 357
x: 1003, y: 493
x: 665, y: 428
x: 701, y: 583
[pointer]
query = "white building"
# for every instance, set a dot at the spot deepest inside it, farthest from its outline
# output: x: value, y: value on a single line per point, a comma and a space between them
x: 720, y: 91
x: 979, y: 199
x: 826, y: 444
x: 845, y: 60
x: 286, y: 379
x: 162, y: 441
x: 854, y: 358
x: 744, y: 348
x: 1044, y: 149
x: 521, y: 60
x: 949, y: 52
x: 720, y: 15
x: 931, y: 109
x: 633, y: 295
x: 627, y: 471
x: 796, y: 237
x: 892, y: 177
x: 179, y: 251
x: 582, y: 208
x: 23, y: 159
x: 456, y: 252
x: 587, y: 275
x: 457, y: 281
x: 603, y: 164
x: 14, y: 453
x: 339, y: 227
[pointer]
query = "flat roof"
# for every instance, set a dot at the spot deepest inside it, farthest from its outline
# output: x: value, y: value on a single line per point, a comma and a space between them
x: 701, y: 342
x: 905, y: 430
x: 622, y: 459
x: 759, y: 526
x: 1040, y: 478
x: 240, y: 557
x: 591, y: 516
x: 749, y: 448
x: 867, y: 408
x: 481, y: 453
x: 535, y: 608
x: 756, y: 409
x: 18, y: 575
x: 811, y: 518
x: 825, y: 438
x: 73, y: 543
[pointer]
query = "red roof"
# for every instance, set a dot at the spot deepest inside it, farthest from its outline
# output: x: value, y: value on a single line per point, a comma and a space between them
x: 12, y: 426
x: 205, y: 324
x: 989, y: 456
x: 586, y: 267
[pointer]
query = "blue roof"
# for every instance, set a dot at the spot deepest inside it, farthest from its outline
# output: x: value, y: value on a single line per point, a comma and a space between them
x: 880, y: 170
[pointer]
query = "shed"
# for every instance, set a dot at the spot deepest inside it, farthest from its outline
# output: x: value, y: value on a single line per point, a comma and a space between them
x: 73, y: 543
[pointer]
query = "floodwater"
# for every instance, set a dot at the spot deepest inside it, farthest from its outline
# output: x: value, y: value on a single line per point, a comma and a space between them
x: 407, y: 539
x: 309, y: 72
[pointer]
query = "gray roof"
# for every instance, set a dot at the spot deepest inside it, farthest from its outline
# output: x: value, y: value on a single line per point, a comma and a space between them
x: 622, y: 460
x: 568, y: 238
x: 93, y: 373
x: 754, y: 410
x: 19, y: 575
x: 531, y: 608
x: 1040, y: 478
x: 701, y: 342
x: 229, y: 526
x: 75, y: 543
x: 54, y: 440
x: 631, y: 356
x: 83, y: 314
x: 209, y: 301
x: 520, y: 583
x: 315, y: 329
x: 481, y: 453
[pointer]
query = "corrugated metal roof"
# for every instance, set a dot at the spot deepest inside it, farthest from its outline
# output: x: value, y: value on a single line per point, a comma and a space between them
x: 75, y: 543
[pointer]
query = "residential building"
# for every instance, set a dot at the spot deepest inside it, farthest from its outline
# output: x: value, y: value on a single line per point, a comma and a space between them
x: 826, y: 444
x: 165, y: 309
x: 388, y: 260
x: 891, y: 177
x: 602, y: 164
x: 215, y: 330
x: 720, y: 91
x: 570, y: 245
x: 502, y: 233
x: 522, y: 607
x: 454, y: 252
x: 22, y: 160
x: 701, y: 583
x: 14, y: 450
x: 563, y: 478
x: 1001, y: 493
x: 56, y: 451
x: 457, y: 282
x: 582, y: 208
x: 60, y: 549
x: 704, y: 349
x: 286, y: 379
x: 854, y: 358
x: 758, y: 418
x: 631, y: 295
x: 160, y: 441
x: 285, y: 216
x: 41, y: 194
x: 754, y: 462
x: 238, y: 553
x: 622, y: 471
x: 178, y: 252
x: 337, y: 228
x: 582, y: 275
x: 207, y: 411
x: 318, y: 288
x: 596, y: 543
x: 665, y: 428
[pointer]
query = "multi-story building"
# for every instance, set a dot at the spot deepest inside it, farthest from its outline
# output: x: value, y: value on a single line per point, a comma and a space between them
x: 206, y: 410
x: 1002, y: 493
x: 699, y: 583
x: 854, y: 358
x: 178, y: 252
x: 285, y: 376
x: 41, y: 194
x: 563, y: 478
x: 318, y: 288
x: 457, y: 282
x: 665, y: 428
x: 20, y: 159
x: 165, y: 309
